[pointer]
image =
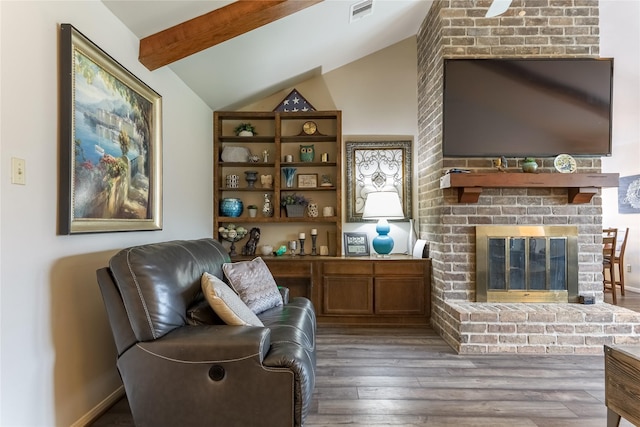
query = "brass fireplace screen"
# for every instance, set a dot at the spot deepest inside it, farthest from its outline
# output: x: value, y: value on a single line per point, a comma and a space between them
x: 526, y: 264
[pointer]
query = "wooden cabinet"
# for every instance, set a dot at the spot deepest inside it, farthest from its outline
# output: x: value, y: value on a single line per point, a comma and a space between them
x: 359, y: 290
x: 280, y: 136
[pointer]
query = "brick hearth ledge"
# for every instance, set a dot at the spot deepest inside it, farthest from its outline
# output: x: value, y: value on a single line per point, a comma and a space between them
x: 557, y: 328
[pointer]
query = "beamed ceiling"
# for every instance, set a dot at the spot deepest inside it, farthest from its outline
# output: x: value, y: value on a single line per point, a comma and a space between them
x: 231, y: 53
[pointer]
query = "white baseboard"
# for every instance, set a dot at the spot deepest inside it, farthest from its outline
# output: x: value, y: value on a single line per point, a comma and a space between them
x: 93, y: 414
x: 632, y: 289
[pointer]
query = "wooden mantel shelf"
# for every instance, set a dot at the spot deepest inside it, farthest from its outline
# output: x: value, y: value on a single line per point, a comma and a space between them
x: 581, y: 186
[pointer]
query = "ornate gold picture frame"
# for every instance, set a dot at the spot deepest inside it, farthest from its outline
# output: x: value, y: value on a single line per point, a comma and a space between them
x: 110, y: 143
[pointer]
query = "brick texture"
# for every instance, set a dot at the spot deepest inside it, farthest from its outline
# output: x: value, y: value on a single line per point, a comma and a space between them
x: 531, y: 28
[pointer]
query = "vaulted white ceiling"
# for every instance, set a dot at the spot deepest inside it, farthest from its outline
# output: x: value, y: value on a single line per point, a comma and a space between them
x: 256, y: 64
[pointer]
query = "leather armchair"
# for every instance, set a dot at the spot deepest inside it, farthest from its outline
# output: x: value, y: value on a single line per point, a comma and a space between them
x: 177, y: 373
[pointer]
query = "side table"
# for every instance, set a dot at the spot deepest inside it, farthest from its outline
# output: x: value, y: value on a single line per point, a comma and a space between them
x: 622, y: 383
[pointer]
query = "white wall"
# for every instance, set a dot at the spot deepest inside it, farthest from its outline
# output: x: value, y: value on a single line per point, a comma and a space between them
x: 57, y: 352
x: 620, y: 39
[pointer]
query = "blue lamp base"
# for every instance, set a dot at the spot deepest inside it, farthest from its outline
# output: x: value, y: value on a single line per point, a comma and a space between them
x: 383, y: 243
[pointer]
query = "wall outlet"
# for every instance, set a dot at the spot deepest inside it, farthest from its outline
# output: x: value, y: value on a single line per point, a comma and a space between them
x: 628, y: 268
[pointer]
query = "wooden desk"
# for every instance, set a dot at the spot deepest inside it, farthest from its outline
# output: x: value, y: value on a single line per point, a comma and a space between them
x: 622, y: 383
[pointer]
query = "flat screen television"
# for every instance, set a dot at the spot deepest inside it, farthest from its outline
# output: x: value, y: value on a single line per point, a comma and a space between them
x: 527, y: 107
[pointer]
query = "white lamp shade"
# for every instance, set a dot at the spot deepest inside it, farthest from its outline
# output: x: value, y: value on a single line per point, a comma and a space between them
x: 382, y: 205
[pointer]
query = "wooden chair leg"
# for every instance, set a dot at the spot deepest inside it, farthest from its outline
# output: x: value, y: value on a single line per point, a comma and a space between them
x: 611, y: 282
x: 621, y: 276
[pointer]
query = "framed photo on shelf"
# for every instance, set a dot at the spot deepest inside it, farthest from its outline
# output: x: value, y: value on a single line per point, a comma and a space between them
x: 307, y: 180
x: 356, y: 244
x: 110, y: 143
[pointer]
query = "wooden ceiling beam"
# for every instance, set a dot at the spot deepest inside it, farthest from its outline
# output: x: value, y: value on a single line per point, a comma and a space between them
x: 210, y: 29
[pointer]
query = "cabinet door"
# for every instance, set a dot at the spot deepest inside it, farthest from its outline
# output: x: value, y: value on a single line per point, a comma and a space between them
x: 347, y: 295
x: 400, y: 295
x: 297, y: 276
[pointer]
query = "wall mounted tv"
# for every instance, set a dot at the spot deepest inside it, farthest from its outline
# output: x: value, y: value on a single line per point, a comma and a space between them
x: 527, y: 107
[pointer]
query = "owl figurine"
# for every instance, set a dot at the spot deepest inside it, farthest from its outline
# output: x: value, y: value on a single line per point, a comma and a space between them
x: 307, y: 153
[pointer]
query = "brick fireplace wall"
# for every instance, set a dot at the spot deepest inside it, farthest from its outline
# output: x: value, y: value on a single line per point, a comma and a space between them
x: 530, y: 28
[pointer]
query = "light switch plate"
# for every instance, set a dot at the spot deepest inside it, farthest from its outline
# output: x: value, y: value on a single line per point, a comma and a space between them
x: 18, y: 171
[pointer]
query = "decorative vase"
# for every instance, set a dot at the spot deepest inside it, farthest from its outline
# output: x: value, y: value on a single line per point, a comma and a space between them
x: 312, y: 210
x: 267, y: 206
x: 251, y: 177
x: 231, y: 207
x: 289, y: 174
x: 412, y: 238
x: 529, y: 166
x: 295, y: 211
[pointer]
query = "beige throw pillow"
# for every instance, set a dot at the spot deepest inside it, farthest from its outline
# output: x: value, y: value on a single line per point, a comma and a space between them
x: 254, y: 283
x: 226, y: 303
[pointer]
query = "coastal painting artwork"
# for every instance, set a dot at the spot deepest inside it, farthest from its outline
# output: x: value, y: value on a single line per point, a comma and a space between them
x: 110, y: 143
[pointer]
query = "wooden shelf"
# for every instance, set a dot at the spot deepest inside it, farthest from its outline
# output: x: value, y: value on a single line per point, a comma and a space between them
x: 581, y: 186
x: 279, y: 133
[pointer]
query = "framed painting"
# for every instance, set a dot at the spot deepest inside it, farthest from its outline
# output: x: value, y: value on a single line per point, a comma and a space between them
x: 377, y: 166
x: 110, y: 143
x: 356, y: 244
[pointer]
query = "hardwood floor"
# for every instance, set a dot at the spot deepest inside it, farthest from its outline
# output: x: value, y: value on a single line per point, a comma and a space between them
x: 410, y: 377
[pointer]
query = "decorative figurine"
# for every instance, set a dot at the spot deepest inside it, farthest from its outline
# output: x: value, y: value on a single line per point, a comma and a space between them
x: 265, y: 156
x: 254, y: 237
x: 501, y: 163
x: 307, y: 153
x: 266, y: 181
x: 326, y: 181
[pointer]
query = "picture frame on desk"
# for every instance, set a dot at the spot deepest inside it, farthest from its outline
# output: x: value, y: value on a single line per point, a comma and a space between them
x: 356, y: 244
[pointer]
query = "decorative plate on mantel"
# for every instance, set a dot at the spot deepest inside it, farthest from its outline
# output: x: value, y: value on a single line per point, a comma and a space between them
x: 564, y: 163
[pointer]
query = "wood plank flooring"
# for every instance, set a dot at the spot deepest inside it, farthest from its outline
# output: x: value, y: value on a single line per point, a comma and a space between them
x: 410, y: 377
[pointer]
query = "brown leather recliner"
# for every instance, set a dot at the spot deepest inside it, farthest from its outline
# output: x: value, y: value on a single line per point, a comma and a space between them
x: 182, y: 367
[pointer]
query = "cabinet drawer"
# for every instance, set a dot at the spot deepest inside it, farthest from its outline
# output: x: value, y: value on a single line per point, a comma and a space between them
x: 289, y: 268
x: 399, y: 268
x: 347, y: 267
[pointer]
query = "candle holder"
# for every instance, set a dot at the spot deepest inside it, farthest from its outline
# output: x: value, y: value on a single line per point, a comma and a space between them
x: 313, y: 245
x: 293, y: 245
x: 302, y: 247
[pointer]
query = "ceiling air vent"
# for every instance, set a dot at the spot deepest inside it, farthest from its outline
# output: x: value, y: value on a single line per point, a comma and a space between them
x: 360, y: 10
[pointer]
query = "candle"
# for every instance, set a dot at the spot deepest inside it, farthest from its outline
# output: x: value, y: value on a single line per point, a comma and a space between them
x: 314, y: 231
x: 301, y: 236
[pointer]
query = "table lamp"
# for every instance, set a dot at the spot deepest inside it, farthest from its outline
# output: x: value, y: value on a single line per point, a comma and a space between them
x: 382, y: 205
